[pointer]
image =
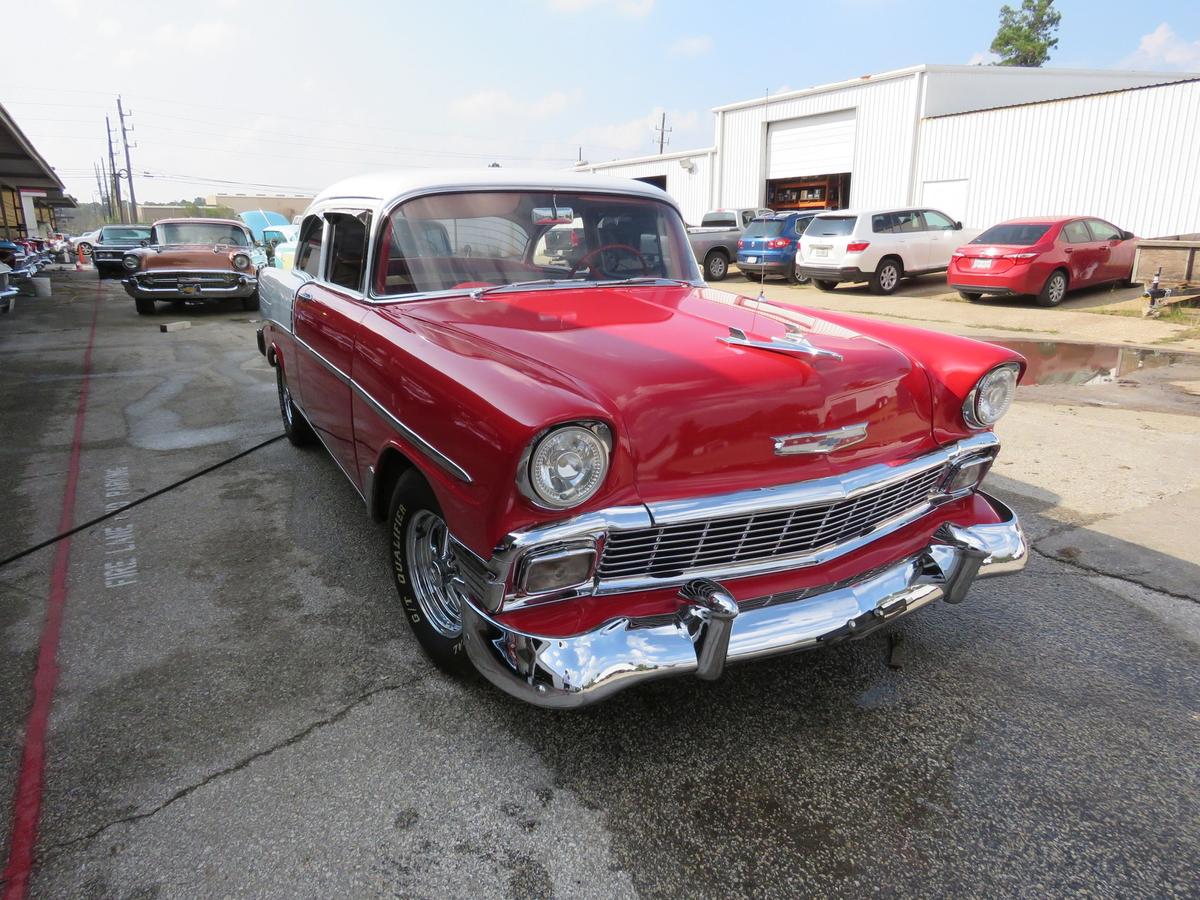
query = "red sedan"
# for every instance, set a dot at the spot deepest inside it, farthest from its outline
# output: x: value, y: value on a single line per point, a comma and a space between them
x: 1043, y: 257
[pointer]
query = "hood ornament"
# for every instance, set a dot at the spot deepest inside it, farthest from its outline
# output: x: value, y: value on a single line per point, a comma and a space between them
x: 820, y: 441
x: 792, y: 342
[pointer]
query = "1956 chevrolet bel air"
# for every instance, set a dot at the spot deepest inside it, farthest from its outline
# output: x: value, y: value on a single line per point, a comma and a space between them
x: 600, y: 471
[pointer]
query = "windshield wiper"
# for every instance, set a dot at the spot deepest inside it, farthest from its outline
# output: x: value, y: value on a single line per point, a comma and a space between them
x: 646, y: 279
x: 476, y: 293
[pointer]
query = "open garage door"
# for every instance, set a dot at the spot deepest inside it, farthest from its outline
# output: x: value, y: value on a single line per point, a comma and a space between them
x: 812, y: 145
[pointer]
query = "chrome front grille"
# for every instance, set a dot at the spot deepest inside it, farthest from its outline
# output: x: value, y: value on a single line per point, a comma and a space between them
x: 204, y: 279
x: 671, y: 550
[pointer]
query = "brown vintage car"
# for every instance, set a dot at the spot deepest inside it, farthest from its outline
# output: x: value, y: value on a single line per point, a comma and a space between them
x: 193, y: 260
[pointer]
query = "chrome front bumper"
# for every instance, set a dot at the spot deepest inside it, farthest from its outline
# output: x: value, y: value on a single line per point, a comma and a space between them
x: 244, y: 287
x: 710, y: 628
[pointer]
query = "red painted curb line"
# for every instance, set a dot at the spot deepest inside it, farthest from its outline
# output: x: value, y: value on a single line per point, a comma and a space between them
x: 27, y: 804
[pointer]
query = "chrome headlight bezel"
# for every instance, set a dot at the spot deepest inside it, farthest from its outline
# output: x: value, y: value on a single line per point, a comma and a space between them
x: 240, y: 260
x: 971, y: 412
x: 526, y: 482
x: 131, y: 262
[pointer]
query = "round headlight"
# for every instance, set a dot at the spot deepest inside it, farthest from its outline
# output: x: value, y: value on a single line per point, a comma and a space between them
x: 130, y: 261
x: 991, y: 397
x: 240, y: 260
x: 567, y: 466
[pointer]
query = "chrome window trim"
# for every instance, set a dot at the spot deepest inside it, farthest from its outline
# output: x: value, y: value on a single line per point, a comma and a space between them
x: 388, y: 208
x: 434, y: 454
x: 324, y: 281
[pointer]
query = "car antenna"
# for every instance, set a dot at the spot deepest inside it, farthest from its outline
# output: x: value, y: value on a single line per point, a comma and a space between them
x: 762, y: 274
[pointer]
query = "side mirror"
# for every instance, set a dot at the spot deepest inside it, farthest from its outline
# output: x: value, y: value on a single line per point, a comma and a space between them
x: 1127, y: 235
x: 958, y: 226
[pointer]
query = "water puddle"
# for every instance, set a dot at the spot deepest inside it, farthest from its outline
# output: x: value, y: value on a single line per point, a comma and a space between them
x: 1062, y: 362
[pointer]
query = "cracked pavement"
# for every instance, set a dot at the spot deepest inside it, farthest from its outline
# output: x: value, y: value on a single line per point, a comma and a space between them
x: 249, y: 717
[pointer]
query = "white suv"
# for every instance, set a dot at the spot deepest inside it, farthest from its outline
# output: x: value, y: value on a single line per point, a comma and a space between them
x: 877, y: 246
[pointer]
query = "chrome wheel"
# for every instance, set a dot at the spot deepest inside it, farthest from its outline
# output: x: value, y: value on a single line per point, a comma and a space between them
x: 434, y: 572
x: 1056, y: 289
x: 285, y: 401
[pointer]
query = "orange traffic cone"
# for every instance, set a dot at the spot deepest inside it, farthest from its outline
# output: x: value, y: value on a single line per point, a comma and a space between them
x: 78, y: 259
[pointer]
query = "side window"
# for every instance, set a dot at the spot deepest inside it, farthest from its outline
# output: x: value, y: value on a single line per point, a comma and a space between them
x: 1076, y: 233
x: 348, y: 248
x: 909, y: 221
x: 935, y: 221
x: 308, y: 253
x: 1102, y: 231
x: 884, y: 223
x: 747, y: 217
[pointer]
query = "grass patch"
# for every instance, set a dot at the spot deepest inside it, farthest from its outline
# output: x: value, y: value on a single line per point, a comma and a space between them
x: 1188, y: 334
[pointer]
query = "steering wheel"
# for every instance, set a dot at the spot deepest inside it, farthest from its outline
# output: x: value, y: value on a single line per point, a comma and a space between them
x: 624, y: 248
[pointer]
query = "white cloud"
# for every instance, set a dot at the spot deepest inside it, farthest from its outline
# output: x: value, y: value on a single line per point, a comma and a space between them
x: 692, y: 45
x: 637, y: 137
x: 1164, y: 49
x: 630, y: 9
x: 496, y: 102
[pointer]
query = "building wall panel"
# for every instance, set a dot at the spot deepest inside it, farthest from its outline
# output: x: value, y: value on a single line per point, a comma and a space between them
x: 1132, y: 157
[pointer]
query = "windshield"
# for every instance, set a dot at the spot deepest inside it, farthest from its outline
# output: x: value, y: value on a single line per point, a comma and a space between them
x: 201, y: 233
x: 1013, y: 233
x: 491, y: 238
x: 764, y: 228
x: 125, y: 234
x: 719, y: 220
x: 831, y: 226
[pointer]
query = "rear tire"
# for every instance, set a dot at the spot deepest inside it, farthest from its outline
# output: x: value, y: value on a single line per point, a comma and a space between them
x: 886, y: 277
x: 970, y: 296
x: 824, y: 285
x: 716, y: 266
x: 295, y: 426
x: 422, y: 566
x: 144, y: 306
x: 1054, y: 290
x: 795, y: 277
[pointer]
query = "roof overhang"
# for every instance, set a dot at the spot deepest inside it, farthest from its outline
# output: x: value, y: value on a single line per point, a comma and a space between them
x: 21, y: 166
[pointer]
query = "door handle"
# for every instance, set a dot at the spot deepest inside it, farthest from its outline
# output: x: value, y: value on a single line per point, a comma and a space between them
x: 303, y: 296
x: 1068, y: 249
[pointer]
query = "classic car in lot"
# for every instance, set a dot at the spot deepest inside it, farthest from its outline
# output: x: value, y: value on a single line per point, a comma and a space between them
x: 603, y: 472
x: 1043, y: 258
x: 193, y: 260
x: 114, y: 242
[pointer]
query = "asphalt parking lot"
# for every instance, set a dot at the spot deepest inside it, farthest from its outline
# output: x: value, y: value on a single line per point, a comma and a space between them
x: 240, y: 711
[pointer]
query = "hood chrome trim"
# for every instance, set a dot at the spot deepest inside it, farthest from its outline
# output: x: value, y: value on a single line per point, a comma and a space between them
x: 793, y: 342
x: 820, y: 441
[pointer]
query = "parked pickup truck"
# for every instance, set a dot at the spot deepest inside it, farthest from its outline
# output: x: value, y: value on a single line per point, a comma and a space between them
x: 714, y: 241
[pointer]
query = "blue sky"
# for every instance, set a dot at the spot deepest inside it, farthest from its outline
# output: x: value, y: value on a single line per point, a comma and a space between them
x: 277, y: 96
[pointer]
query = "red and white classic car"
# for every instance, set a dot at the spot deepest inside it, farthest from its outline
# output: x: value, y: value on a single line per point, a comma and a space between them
x: 601, y: 471
x: 193, y: 259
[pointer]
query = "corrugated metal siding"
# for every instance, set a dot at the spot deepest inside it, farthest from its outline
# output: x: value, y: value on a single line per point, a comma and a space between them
x: 688, y: 189
x: 1132, y: 157
x: 886, y: 117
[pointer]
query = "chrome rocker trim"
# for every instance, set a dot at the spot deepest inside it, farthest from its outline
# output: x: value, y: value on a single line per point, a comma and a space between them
x: 710, y: 629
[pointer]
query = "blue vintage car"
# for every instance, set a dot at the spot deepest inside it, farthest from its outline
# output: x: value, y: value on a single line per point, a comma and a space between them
x: 767, y: 248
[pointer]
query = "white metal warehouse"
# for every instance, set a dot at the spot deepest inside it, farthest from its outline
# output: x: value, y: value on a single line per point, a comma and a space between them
x: 982, y: 143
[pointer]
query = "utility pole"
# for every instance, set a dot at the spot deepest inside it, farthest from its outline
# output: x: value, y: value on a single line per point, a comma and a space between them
x: 112, y: 169
x: 663, y: 131
x: 133, y: 210
x: 104, y: 198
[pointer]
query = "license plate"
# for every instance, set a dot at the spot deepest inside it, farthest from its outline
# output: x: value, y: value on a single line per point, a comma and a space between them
x: 820, y: 251
x: 981, y: 263
x: 752, y: 259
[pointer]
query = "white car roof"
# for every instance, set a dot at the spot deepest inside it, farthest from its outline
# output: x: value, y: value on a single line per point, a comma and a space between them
x: 871, y: 212
x: 381, y: 189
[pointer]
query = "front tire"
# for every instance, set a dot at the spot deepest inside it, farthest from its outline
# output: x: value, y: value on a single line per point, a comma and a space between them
x: 795, y: 277
x: 716, y: 266
x: 295, y: 426
x: 85, y: 248
x: 886, y: 277
x: 423, y: 570
x: 144, y: 306
x: 1054, y: 290
x: 824, y: 284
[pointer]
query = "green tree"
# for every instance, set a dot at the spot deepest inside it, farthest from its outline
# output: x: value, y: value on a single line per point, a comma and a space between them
x: 1026, y: 35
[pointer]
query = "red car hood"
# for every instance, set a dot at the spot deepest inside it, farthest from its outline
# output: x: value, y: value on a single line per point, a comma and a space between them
x: 698, y: 415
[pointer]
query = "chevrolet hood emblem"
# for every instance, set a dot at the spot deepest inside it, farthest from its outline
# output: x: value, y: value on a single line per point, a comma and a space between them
x: 793, y: 342
x: 820, y: 441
